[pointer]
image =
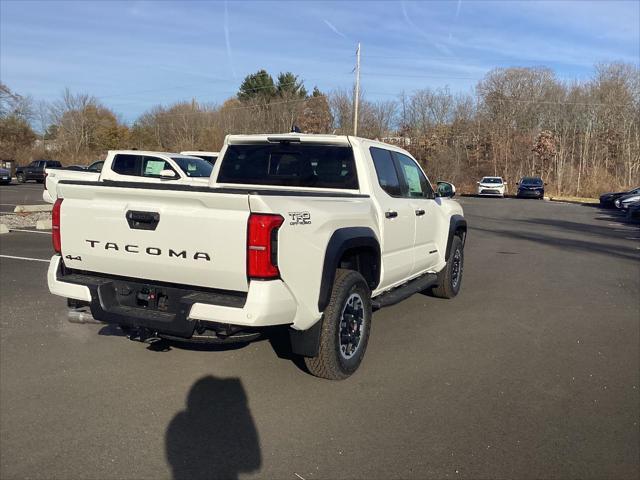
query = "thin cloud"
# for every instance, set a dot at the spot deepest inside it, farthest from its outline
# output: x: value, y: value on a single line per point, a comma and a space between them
x: 228, y: 39
x: 335, y: 30
x: 458, y: 8
x: 442, y: 48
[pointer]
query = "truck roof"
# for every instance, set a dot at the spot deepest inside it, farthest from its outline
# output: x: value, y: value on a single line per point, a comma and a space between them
x: 305, y: 138
x: 293, y: 137
x: 145, y: 152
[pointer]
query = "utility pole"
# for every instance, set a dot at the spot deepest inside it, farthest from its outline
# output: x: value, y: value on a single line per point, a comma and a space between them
x: 356, y: 98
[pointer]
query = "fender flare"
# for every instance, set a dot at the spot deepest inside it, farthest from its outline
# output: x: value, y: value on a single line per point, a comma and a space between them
x: 307, y: 342
x: 342, y: 240
x: 456, y: 222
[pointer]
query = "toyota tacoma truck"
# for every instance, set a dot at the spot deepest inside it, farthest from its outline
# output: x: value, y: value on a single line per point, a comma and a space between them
x: 311, y: 233
x: 133, y: 166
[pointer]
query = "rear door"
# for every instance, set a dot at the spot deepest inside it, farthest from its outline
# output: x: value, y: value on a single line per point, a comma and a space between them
x: 156, y: 233
x: 32, y: 168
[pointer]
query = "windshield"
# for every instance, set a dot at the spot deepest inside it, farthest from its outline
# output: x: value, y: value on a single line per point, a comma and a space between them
x: 531, y: 181
x: 194, y: 167
x: 209, y: 158
x: 491, y: 180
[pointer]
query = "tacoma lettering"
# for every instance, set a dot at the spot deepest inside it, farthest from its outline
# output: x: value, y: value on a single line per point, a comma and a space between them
x: 153, y: 251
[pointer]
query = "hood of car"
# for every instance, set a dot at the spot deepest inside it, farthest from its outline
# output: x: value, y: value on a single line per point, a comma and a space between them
x: 492, y: 185
x: 630, y: 199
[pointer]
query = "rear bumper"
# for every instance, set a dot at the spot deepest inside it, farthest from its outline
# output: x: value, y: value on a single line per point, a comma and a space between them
x: 113, y: 300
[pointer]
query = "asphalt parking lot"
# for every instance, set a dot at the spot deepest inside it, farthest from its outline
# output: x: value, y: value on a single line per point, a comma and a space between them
x: 19, y: 194
x: 531, y: 372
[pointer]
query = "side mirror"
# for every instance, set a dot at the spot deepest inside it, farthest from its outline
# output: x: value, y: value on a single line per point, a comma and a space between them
x: 446, y: 189
x: 168, y: 175
x: 478, y: 183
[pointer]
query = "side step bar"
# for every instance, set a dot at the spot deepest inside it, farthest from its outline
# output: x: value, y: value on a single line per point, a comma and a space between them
x: 405, y: 291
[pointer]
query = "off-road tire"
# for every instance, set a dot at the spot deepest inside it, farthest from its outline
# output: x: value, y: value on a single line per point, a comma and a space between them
x: 330, y: 363
x: 446, y: 287
x: 20, y: 178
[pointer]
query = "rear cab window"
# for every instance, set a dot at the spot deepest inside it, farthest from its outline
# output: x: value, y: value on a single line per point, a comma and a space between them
x: 290, y: 165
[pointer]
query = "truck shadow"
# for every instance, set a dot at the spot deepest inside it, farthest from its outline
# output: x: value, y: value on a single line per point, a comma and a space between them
x: 215, y: 436
x: 617, y: 251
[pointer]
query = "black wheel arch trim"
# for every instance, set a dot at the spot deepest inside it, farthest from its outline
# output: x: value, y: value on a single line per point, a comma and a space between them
x: 341, y: 240
x: 456, y: 222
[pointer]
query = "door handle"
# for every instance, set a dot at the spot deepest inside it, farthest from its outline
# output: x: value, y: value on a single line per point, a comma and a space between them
x: 142, y: 220
x: 420, y: 212
x: 390, y: 214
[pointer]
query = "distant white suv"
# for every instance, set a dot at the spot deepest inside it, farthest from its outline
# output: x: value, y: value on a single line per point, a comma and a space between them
x: 492, y: 186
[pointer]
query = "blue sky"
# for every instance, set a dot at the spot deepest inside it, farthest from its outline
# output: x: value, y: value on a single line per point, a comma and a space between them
x: 133, y: 55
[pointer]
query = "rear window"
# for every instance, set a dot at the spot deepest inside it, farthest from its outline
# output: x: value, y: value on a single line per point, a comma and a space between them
x: 297, y: 165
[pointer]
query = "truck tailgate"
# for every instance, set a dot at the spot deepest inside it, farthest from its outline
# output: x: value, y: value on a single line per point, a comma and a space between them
x: 187, y: 236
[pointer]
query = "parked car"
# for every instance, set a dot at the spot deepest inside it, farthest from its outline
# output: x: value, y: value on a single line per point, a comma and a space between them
x: 134, y: 166
x: 624, y: 202
x: 5, y: 176
x: 607, y: 200
x: 35, y: 170
x: 308, y: 233
x: 95, y: 166
x: 492, y: 186
x: 530, y: 187
x: 633, y: 212
x: 210, y: 157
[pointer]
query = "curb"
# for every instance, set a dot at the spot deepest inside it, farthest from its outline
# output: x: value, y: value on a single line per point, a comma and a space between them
x: 33, y: 208
x: 573, y: 202
x: 43, y: 225
x: 3, y: 228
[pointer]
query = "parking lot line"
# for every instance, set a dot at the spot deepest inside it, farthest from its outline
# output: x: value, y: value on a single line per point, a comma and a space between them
x: 25, y: 258
x: 29, y: 231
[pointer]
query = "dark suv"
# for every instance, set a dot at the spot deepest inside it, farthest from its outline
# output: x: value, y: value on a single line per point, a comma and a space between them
x: 530, y: 187
x: 35, y: 170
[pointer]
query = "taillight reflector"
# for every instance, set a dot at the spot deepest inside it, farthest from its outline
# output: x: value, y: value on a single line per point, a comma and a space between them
x: 55, y: 226
x: 262, y: 261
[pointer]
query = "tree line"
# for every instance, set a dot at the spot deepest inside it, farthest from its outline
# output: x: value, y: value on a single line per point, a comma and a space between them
x: 581, y: 137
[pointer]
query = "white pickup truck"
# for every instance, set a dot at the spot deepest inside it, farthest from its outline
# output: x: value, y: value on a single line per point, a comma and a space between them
x: 308, y: 232
x: 134, y: 166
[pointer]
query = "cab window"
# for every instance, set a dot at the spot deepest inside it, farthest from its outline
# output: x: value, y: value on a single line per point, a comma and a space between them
x: 139, y: 165
x: 415, y: 183
x: 386, y: 171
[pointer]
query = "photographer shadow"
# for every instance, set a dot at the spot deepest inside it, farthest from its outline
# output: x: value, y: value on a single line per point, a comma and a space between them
x: 215, y: 437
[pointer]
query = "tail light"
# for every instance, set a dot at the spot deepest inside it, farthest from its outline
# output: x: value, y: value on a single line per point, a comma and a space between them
x: 262, y: 246
x: 55, y: 226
